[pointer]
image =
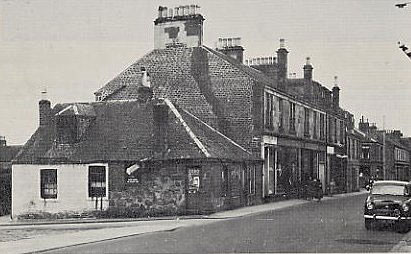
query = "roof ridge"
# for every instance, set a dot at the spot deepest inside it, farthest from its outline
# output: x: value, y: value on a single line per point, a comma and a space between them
x: 187, y: 128
x: 240, y: 66
x: 221, y: 134
x: 101, y: 89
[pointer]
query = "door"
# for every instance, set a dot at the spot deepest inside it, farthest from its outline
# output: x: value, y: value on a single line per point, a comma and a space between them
x: 321, y: 174
x: 193, y: 190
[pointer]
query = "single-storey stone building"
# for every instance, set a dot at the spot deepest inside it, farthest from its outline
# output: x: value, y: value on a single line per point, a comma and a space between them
x: 141, y: 157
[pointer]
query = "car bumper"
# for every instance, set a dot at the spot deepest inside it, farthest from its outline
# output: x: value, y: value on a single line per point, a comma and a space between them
x: 382, y: 217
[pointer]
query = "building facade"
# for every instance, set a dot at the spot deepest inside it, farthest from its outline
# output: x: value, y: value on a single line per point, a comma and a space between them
x: 7, y: 154
x: 135, y: 158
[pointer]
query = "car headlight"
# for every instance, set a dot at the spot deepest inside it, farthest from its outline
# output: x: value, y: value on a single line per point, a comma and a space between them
x: 369, y: 204
x: 405, y: 207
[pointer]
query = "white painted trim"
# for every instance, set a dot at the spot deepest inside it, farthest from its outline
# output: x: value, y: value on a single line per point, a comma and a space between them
x: 269, y: 140
x: 64, y: 110
x: 187, y: 128
x: 221, y: 134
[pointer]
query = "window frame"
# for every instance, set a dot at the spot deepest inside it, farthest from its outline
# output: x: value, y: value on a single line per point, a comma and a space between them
x: 306, y: 122
x: 292, y: 118
x: 45, y: 180
x: 103, y: 192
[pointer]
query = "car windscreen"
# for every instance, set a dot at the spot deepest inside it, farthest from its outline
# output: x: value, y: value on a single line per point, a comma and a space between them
x: 388, y: 189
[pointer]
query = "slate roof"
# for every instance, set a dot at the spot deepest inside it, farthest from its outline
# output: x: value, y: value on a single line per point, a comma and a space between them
x: 7, y: 153
x: 123, y: 131
x: 193, y: 78
x: 178, y: 67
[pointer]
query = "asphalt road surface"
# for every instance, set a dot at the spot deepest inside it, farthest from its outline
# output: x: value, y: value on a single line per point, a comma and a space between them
x: 326, y: 226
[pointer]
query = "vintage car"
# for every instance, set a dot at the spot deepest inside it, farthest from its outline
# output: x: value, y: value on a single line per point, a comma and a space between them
x: 388, y: 202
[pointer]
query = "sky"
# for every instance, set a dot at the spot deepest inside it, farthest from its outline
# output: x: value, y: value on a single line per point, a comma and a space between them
x: 74, y: 47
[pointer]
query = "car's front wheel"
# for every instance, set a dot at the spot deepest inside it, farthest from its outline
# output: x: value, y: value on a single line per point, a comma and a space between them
x: 368, y: 224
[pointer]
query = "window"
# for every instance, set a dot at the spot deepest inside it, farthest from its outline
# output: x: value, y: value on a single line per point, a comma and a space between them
x: 224, y: 181
x: 97, y: 181
x: 67, y: 129
x: 365, y: 152
x: 269, y: 110
x: 281, y: 114
x: 342, y: 132
x: 335, y: 130
x: 252, y: 179
x: 292, y: 117
x: 322, y: 127
x: 48, y: 183
x: 306, y: 122
x: 315, y: 124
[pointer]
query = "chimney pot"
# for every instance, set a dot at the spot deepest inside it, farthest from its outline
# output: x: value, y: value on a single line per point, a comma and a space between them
x: 181, y: 11
x: 308, y: 69
x: 282, y: 43
x: 192, y: 9
x: 225, y: 43
x: 230, y: 42
x: 335, y: 80
x: 3, y: 142
x: 160, y: 11
x: 164, y: 12
x: 186, y: 10
x: 176, y: 13
x: 170, y: 12
x: 246, y: 62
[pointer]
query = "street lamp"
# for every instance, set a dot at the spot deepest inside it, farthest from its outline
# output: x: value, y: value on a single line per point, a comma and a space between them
x: 402, y: 5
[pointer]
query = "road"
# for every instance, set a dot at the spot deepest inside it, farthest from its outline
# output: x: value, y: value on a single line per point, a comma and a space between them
x: 327, y: 226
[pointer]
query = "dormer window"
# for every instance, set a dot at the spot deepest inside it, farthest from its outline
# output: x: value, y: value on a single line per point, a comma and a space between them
x: 72, y: 122
x: 67, y: 129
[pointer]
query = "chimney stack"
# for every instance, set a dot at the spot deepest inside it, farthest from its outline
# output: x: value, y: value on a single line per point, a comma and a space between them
x: 336, y: 93
x: 44, y: 110
x: 308, y: 70
x: 282, y: 55
x: 145, y: 93
x: 183, y: 27
x: 231, y: 47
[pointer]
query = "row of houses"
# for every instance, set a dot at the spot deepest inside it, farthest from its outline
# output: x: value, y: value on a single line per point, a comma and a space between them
x: 193, y: 129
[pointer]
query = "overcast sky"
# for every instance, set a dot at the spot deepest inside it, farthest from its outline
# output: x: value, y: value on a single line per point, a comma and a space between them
x: 74, y: 47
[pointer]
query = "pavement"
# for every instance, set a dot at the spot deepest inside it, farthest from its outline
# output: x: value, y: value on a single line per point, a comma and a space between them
x: 49, y: 235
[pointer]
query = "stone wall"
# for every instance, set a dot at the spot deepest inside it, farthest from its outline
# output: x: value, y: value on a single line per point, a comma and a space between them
x: 158, y: 193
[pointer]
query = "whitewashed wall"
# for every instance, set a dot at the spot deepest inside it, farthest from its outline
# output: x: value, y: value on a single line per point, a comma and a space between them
x: 72, y: 189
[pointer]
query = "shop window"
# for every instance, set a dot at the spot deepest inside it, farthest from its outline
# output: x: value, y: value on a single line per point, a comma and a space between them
x: 97, y: 181
x: 48, y: 183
